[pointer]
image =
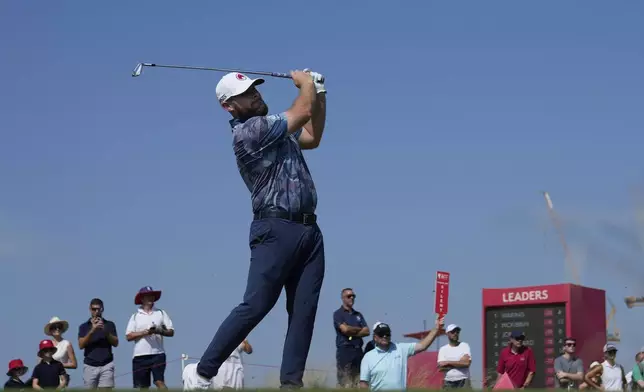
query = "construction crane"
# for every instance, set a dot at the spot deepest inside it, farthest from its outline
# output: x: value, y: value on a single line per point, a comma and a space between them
x: 572, y: 268
x: 632, y: 302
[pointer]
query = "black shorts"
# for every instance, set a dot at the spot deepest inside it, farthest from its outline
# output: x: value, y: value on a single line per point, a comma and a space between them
x: 145, y: 366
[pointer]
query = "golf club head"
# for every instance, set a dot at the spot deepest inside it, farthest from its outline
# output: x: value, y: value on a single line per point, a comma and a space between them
x: 137, y: 70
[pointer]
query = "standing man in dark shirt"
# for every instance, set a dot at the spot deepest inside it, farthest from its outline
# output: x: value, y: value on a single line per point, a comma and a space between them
x: 96, y: 337
x: 350, y: 328
x: 49, y: 373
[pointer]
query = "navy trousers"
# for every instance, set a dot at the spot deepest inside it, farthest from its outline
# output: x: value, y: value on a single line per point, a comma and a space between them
x: 287, y: 255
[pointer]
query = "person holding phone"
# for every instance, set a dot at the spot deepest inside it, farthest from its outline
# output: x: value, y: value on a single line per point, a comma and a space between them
x: 96, y: 337
x: 147, y: 328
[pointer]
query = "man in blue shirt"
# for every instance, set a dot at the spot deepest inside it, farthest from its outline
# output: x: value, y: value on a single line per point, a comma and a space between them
x: 350, y: 328
x: 287, y: 249
x: 385, y: 367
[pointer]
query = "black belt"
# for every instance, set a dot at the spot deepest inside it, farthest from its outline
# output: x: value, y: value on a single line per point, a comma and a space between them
x: 303, y: 218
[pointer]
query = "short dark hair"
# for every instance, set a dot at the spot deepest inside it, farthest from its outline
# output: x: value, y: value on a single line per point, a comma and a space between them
x: 570, y: 339
x: 96, y: 301
x: 345, y: 290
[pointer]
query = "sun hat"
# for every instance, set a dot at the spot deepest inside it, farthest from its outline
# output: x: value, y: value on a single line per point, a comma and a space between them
x: 45, y: 345
x: 16, y: 364
x: 147, y: 290
x: 55, y: 320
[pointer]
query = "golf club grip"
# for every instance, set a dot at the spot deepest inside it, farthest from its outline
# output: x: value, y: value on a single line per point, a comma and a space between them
x: 281, y: 75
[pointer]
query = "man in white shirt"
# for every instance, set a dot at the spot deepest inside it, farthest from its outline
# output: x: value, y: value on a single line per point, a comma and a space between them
x: 147, y: 327
x: 454, y: 359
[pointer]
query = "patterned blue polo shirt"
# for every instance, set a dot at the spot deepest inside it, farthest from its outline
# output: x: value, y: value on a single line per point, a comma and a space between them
x: 272, y: 166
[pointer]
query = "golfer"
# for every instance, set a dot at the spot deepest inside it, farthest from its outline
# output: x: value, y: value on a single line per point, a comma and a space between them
x: 287, y: 249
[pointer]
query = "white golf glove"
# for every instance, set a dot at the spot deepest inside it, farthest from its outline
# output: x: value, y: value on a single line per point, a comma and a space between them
x: 318, y: 80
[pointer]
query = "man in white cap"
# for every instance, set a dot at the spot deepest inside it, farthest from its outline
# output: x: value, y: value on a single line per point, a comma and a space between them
x: 287, y: 250
x: 454, y: 359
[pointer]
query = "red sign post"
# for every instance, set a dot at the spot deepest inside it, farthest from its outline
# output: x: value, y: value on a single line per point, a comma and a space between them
x: 441, y: 293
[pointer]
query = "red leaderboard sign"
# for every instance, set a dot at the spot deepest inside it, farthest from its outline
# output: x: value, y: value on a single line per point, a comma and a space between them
x: 441, y: 289
x: 546, y: 315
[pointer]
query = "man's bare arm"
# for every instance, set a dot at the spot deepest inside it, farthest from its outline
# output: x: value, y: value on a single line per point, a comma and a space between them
x: 311, y: 135
x: 302, y: 109
x: 348, y: 330
x: 463, y: 363
x: 589, y: 377
x: 528, y: 380
x: 426, y: 341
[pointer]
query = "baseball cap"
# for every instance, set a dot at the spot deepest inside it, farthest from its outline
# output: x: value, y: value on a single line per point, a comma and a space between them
x: 517, y: 335
x: 233, y: 84
x: 609, y: 347
x: 452, y: 327
x: 381, y: 329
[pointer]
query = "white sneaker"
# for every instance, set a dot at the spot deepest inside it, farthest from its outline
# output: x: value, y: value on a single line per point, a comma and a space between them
x: 192, y: 380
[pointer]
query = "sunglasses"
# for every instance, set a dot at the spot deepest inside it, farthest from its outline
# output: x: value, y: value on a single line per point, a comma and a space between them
x: 96, y: 309
x: 351, y: 296
x: 571, y: 344
x: 56, y: 327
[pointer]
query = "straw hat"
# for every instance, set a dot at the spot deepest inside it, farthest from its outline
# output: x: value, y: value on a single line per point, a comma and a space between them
x: 55, y: 320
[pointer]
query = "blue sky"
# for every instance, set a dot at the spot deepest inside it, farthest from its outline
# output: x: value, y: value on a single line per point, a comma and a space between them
x: 445, y: 121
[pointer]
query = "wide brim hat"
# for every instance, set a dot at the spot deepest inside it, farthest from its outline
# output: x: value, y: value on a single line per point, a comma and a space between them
x: 16, y: 364
x: 56, y: 320
x: 147, y: 290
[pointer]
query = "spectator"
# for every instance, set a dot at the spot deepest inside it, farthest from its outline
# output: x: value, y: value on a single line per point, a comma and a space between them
x: 147, y: 327
x: 517, y: 361
x: 569, y: 369
x: 613, y: 377
x: 454, y: 359
x: 64, y: 349
x: 597, y: 379
x: 231, y: 372
x: 637, y: 374
x: 49, y: 373
x: 385, y: 367
x: 350, y: 328
x: 17, y: 369
x: 370, y: 344
x: 96, y: 337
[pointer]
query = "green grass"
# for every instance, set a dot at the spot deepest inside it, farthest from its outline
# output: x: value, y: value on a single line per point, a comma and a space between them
x: 306, y: 389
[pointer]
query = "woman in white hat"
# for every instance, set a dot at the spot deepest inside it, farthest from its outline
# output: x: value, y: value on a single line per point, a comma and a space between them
x: 64, y: 349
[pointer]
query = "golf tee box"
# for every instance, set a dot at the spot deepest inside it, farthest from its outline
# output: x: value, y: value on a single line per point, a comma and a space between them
x: 546, y: 315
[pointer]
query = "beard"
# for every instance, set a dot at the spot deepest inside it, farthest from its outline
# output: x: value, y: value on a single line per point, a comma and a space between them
x: 258, y: 108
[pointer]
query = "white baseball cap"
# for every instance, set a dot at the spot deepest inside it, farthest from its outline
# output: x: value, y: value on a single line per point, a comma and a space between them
x: 452, y: 327
x: 233, y: 84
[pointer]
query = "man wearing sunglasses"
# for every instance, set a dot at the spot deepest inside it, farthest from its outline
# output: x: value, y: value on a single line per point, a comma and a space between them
x: 517, y: 361
x: 385, y: 367
x: 454, y: 359
x: 569, y: 369
x: 350, y: 328
x: 96, y: 337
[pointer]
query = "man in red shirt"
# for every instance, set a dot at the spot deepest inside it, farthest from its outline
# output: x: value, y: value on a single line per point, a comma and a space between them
x: 517, y: 361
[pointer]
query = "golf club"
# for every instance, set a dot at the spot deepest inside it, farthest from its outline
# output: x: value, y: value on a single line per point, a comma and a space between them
x: 139, y: 69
